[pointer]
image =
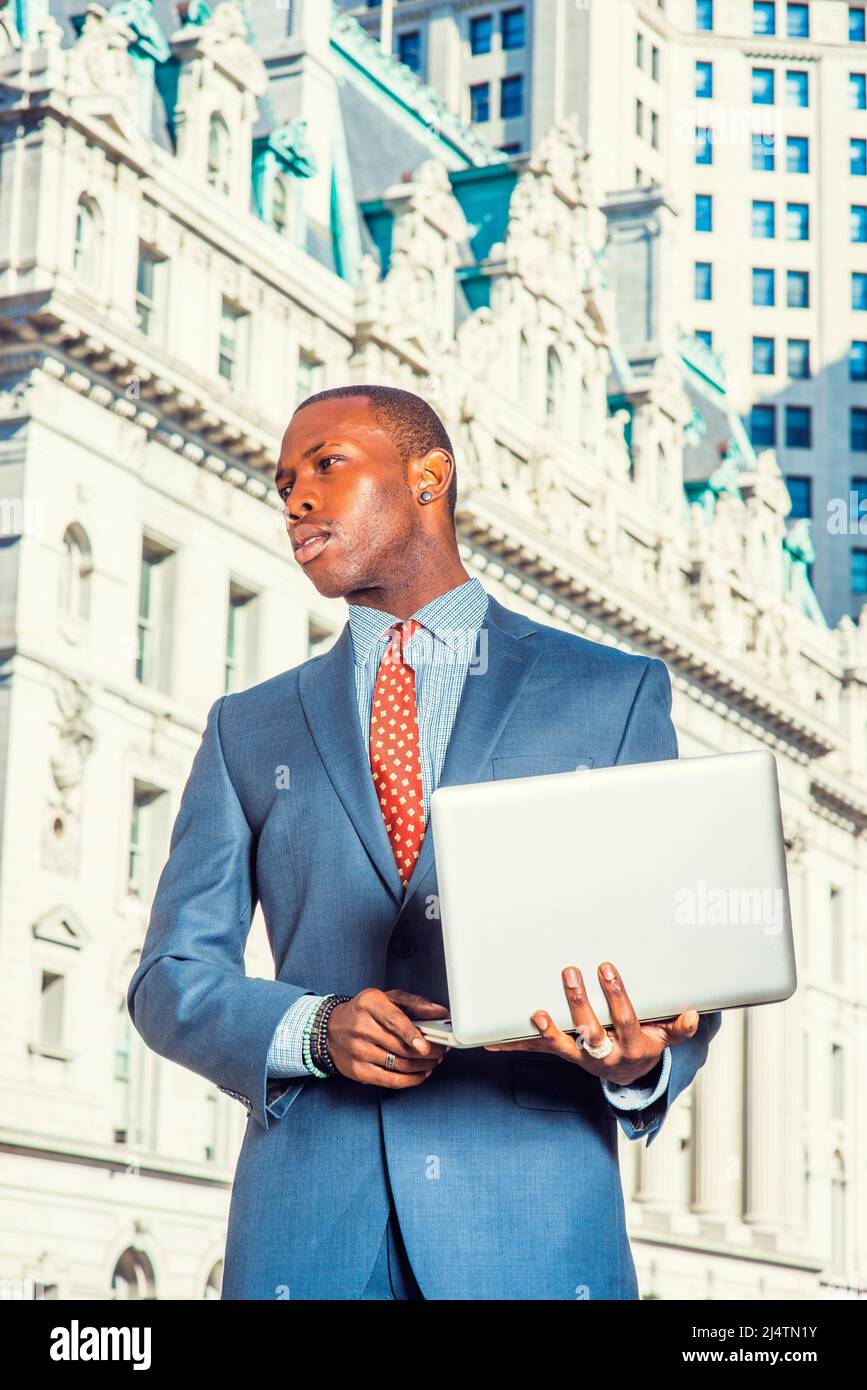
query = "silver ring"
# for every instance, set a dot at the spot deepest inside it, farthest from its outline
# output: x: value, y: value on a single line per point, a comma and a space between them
x: 390, y: 1060
x: 602, y: 1050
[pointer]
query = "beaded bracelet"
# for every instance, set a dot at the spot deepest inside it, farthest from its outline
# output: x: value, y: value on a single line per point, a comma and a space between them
x: 319, y: 1036
x: 305, y: 1046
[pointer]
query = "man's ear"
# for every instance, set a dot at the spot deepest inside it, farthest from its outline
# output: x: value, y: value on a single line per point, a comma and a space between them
x: 431, y: 472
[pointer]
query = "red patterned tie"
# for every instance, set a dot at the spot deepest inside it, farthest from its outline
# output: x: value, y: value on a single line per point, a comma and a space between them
x: 394, y: 750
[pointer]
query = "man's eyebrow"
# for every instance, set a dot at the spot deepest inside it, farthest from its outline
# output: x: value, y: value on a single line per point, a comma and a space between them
x: 313, y: 449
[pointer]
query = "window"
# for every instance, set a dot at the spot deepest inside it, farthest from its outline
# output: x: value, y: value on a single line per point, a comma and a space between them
x: 764, y: 17
x: 703, y: 212
x: 797, y: 222
x: 148, y: 284
x: 481, y: 33
x: 801, y: 493
x: 84, y: 249
x: 147, y: 838
x: 857, y: 91
x: 764, y: 294
x: 857, y: 31
x: 409, y: 49
x: 480, y: 101
x: 703, y: 145
x: 279, y: 204
x: 704, y: 14
x: 51, y: 1009
x: 799, y: 427
x: 704, y: 80
x: 797, y: 89
x: 836, y: 905
x: 798, y: 21
x: 858, y: 430
x: 763, y: 219
x: 639, y: 50
x: 798, y: 358
x: 512, y: 96
x: 703, y: 280
x: 858, y: 361
x: 240, y: 664
x: 639, y: 117
x: 155, y: 615
x: 763, y: 426
x: 513, y: 29
x: 763, y: 86
x: 858, y: 572
x: 763, y: 357
x: 837, y: 1073
x: 654, y: 129
x: 319, y: 637
x: 797, y: 289
x: 797, y: 154
x: 310, y: 376
x: 219, y: 155
x: 234, y: 334
x: 76, y: 568
x: 859, y: 290
x: 553, y: 387
x: 654, y: 63
x: 858, y: 222
x: 763, y: 152
x: 705, y: 336
x: 858, y: 157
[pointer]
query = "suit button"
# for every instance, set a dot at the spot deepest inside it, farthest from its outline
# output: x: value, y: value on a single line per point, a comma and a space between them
x: 403, y: 947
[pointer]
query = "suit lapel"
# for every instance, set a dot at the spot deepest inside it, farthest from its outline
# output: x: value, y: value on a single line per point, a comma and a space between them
x: 326, y: 688
x: 489, y: 695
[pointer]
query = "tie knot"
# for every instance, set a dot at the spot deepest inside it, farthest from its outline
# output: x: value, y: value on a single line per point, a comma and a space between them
x: 400, y: 633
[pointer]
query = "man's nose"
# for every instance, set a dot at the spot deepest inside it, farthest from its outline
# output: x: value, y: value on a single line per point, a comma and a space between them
x: 303, y: 500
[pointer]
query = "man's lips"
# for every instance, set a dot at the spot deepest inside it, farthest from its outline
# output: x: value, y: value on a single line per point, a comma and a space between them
x: 311, y: 546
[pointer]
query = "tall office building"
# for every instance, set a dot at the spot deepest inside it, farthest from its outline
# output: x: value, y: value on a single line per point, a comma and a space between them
x: 753, y: 119
x: 205, y: 217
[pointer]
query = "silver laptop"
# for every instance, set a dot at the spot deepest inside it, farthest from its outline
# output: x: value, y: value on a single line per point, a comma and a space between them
x: 674, y: 871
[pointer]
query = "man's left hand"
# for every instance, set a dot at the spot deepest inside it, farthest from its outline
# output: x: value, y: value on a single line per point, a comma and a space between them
x: 637, y: 1047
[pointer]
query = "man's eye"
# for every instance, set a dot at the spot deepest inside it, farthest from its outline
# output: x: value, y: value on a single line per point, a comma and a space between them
x: 328, y: 458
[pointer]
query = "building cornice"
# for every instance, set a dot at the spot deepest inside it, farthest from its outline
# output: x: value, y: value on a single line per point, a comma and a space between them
x: 569, y: 584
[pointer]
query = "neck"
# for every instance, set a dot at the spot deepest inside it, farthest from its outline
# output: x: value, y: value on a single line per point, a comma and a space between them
x: 406, y: 594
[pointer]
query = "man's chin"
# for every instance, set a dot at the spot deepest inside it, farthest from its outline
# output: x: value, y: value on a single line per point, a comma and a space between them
x: 326, y: 582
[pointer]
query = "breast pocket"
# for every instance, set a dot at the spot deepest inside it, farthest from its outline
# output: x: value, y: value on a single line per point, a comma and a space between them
x: 537, y: 764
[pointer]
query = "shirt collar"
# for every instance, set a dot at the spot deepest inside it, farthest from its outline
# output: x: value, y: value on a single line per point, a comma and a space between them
x: 459, y: 609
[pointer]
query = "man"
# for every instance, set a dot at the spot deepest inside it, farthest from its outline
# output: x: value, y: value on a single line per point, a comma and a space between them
x: 376, y: 1164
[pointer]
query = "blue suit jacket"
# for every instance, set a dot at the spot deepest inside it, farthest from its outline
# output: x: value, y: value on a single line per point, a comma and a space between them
x: 503, y: 1166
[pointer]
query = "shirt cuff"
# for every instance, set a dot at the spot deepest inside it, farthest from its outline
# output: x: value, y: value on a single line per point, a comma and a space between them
x: 286, y: 1053
x: 636, y: 1096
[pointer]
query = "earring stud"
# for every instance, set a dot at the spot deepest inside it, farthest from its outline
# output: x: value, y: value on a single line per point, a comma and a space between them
x: 426, y: 496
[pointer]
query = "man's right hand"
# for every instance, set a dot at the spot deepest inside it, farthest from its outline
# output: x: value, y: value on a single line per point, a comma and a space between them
x: 365, y: 1029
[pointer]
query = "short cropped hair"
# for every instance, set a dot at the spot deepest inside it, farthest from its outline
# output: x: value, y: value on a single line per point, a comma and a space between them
x: 413, y: 425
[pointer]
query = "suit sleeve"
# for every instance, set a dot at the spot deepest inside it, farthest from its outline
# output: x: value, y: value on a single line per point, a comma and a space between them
x: 190, y: 997
x: 649, y: 736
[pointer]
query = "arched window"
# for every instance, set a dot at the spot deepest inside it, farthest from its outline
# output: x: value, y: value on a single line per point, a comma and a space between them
x: 279, y: 205
x: 85, y: 240
x: 838, y: 1214
x: 218, y: 154
x: 133, y: 1276
x: 553, y: 387
x: 76, y: 566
